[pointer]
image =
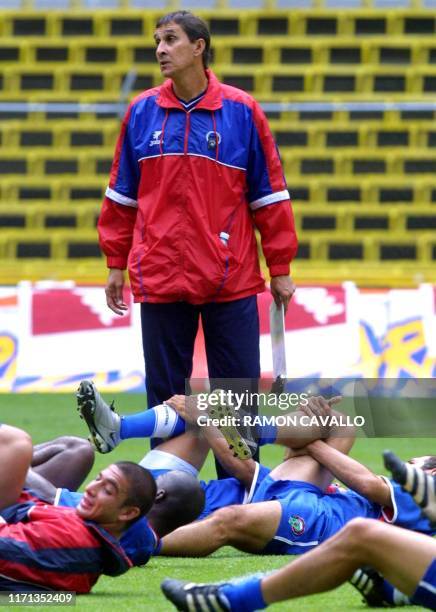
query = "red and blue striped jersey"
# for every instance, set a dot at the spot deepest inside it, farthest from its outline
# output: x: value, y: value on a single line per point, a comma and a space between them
x: 53, y: 548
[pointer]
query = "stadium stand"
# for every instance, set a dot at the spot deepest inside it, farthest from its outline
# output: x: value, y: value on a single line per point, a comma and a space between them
x: 361, y: 179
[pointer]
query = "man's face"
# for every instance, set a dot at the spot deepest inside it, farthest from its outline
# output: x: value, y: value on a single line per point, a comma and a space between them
x: 104, y: 498
x: 175, y: 52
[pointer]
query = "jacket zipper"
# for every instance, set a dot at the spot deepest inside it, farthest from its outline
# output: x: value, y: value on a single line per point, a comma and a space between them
x: 185, y: 152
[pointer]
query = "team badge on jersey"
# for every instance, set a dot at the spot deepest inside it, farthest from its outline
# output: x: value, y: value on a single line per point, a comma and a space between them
x: 297, y: 525
x: 213, y: 138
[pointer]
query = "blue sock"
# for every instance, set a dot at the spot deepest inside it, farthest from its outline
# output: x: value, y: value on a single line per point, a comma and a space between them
x: 244, y: 595
x: 158, y: 422
x: 394, y: 596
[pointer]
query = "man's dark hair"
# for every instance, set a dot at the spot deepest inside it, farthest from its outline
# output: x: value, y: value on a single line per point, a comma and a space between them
x: 430, y: 463
x: 142, y: 488
x: 181, y: 503
x: 194, y: 28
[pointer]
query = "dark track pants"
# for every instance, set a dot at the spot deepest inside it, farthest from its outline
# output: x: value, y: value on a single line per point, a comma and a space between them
x: 231, y: 334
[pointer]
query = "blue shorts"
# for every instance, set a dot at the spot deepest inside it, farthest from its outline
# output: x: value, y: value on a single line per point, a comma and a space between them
x: 230, y: 491
x: 309, y: 516
x: 425, y: 594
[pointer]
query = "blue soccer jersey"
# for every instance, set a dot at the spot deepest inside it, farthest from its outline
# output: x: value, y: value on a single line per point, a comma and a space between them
x: 218, y: 493
x: 309, y: 516
x: 405, y: 512
x: 230, y: 491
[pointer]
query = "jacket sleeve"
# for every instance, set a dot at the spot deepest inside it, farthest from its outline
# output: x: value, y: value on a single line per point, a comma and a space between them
x: 278, y: 238
x: 118, y: 214
x: 268, y: 198
x: 115, y: 232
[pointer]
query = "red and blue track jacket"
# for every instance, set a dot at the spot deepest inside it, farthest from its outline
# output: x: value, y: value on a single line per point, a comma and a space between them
x: 185, y: 192
x: 53, y: 548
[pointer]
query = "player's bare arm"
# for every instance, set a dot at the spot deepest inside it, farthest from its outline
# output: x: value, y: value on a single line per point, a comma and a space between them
x: 351, y: 473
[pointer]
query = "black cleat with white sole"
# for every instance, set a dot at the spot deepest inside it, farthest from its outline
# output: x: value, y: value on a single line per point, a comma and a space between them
x: 191, y: 597
x: 369, y: 583
x: 102, y: 420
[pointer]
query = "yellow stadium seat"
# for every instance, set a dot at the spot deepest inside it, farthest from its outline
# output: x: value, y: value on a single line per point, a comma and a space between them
x: 362, y: 182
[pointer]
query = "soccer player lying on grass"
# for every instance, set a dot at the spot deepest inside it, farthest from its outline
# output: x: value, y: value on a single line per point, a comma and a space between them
x: 293, y: 514
x: 406, y: 559
x: 45, y: 547
x: 293, y: 491
x: 15, y: 452
x: 60, y: 466
x: 187, y: 451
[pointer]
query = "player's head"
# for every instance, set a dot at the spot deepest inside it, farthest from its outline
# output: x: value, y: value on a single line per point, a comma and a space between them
x: 179, y: 500
x: 426, y: 463
x: 187, y: 35
x: 119, y: 494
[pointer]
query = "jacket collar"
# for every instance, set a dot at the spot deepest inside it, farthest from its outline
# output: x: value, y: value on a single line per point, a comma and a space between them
x: 114, y: 559
x: 212, y: 99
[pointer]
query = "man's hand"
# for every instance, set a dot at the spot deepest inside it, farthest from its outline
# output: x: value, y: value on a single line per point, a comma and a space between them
x: 319, y: 406
x: 282, y: 289
x: 186, y: 407
x: 114, y: 291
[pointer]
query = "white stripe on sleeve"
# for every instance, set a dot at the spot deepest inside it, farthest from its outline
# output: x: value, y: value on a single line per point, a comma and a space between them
x: 272, y: 198
x: 121, y: 199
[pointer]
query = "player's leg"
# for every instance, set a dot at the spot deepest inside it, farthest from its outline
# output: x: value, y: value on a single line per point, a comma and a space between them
x: 188, y: 448
x: 168, y: 336
x: 403, y: 557
x: 107, y: 428
x: 317, y: 420
x: 248, y: 528
x: 421, y: 485
x: 65, y: 461
x: 231, y: 334
x: 15, y: 458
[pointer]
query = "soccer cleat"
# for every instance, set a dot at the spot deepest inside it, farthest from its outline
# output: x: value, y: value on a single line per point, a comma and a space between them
x: 102, y: 420
x: 397, y: 467
x: 195, y: 597
x: 420, y: 485
x: 237, y: 435
x: 369, y: 583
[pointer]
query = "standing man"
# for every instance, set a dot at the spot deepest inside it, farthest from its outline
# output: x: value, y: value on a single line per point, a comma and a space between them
x: 195, y: 171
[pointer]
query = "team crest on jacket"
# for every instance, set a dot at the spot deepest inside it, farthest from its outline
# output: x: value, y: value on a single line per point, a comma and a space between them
x: 155, y: 139
x: 213, y: 138
x: 297, y: 525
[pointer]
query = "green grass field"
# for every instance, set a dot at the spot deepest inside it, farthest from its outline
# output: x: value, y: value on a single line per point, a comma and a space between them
x: 46, y: 416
